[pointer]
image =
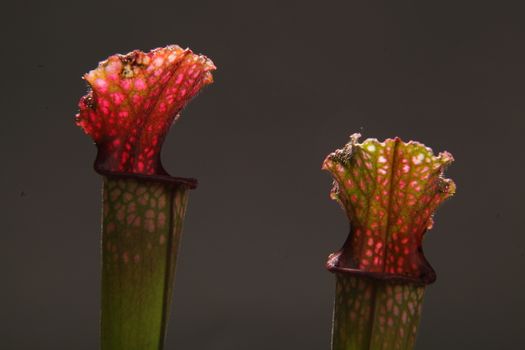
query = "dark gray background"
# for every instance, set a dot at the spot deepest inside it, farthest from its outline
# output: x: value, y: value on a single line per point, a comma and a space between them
x: 294, y: 80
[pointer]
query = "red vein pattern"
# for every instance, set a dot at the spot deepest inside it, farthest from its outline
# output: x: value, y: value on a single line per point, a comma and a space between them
x: 389, y: 191
x: 132, y: 102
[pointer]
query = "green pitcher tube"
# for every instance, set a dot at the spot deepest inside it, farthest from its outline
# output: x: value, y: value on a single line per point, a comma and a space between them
x: 375, y: 314
x: 142, y: 227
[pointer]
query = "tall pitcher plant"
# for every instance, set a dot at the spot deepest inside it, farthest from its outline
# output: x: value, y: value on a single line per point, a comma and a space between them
x: 132, y: 101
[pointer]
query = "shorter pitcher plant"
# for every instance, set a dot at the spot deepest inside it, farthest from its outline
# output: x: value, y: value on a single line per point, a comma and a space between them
x: 389, y: 191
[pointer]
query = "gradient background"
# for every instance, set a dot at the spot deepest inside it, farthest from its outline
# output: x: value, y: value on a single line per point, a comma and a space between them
x: 294, y: 80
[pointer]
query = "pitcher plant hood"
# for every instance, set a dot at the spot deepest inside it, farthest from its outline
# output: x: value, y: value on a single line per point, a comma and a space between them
x: 132, y: 101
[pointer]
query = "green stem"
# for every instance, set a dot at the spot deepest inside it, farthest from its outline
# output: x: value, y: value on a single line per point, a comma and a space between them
x: 375, y: 314
x: 142, y: 225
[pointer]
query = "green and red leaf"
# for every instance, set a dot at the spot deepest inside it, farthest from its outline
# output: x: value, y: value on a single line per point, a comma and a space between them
x: 389, y: 191
x: 132, y: 102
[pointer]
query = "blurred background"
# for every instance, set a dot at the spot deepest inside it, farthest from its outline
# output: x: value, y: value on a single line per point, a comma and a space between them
x: 294, y: 80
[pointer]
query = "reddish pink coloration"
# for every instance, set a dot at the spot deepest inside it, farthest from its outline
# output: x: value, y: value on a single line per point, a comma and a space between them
x: 390, y: 191
x: 133, y: 101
